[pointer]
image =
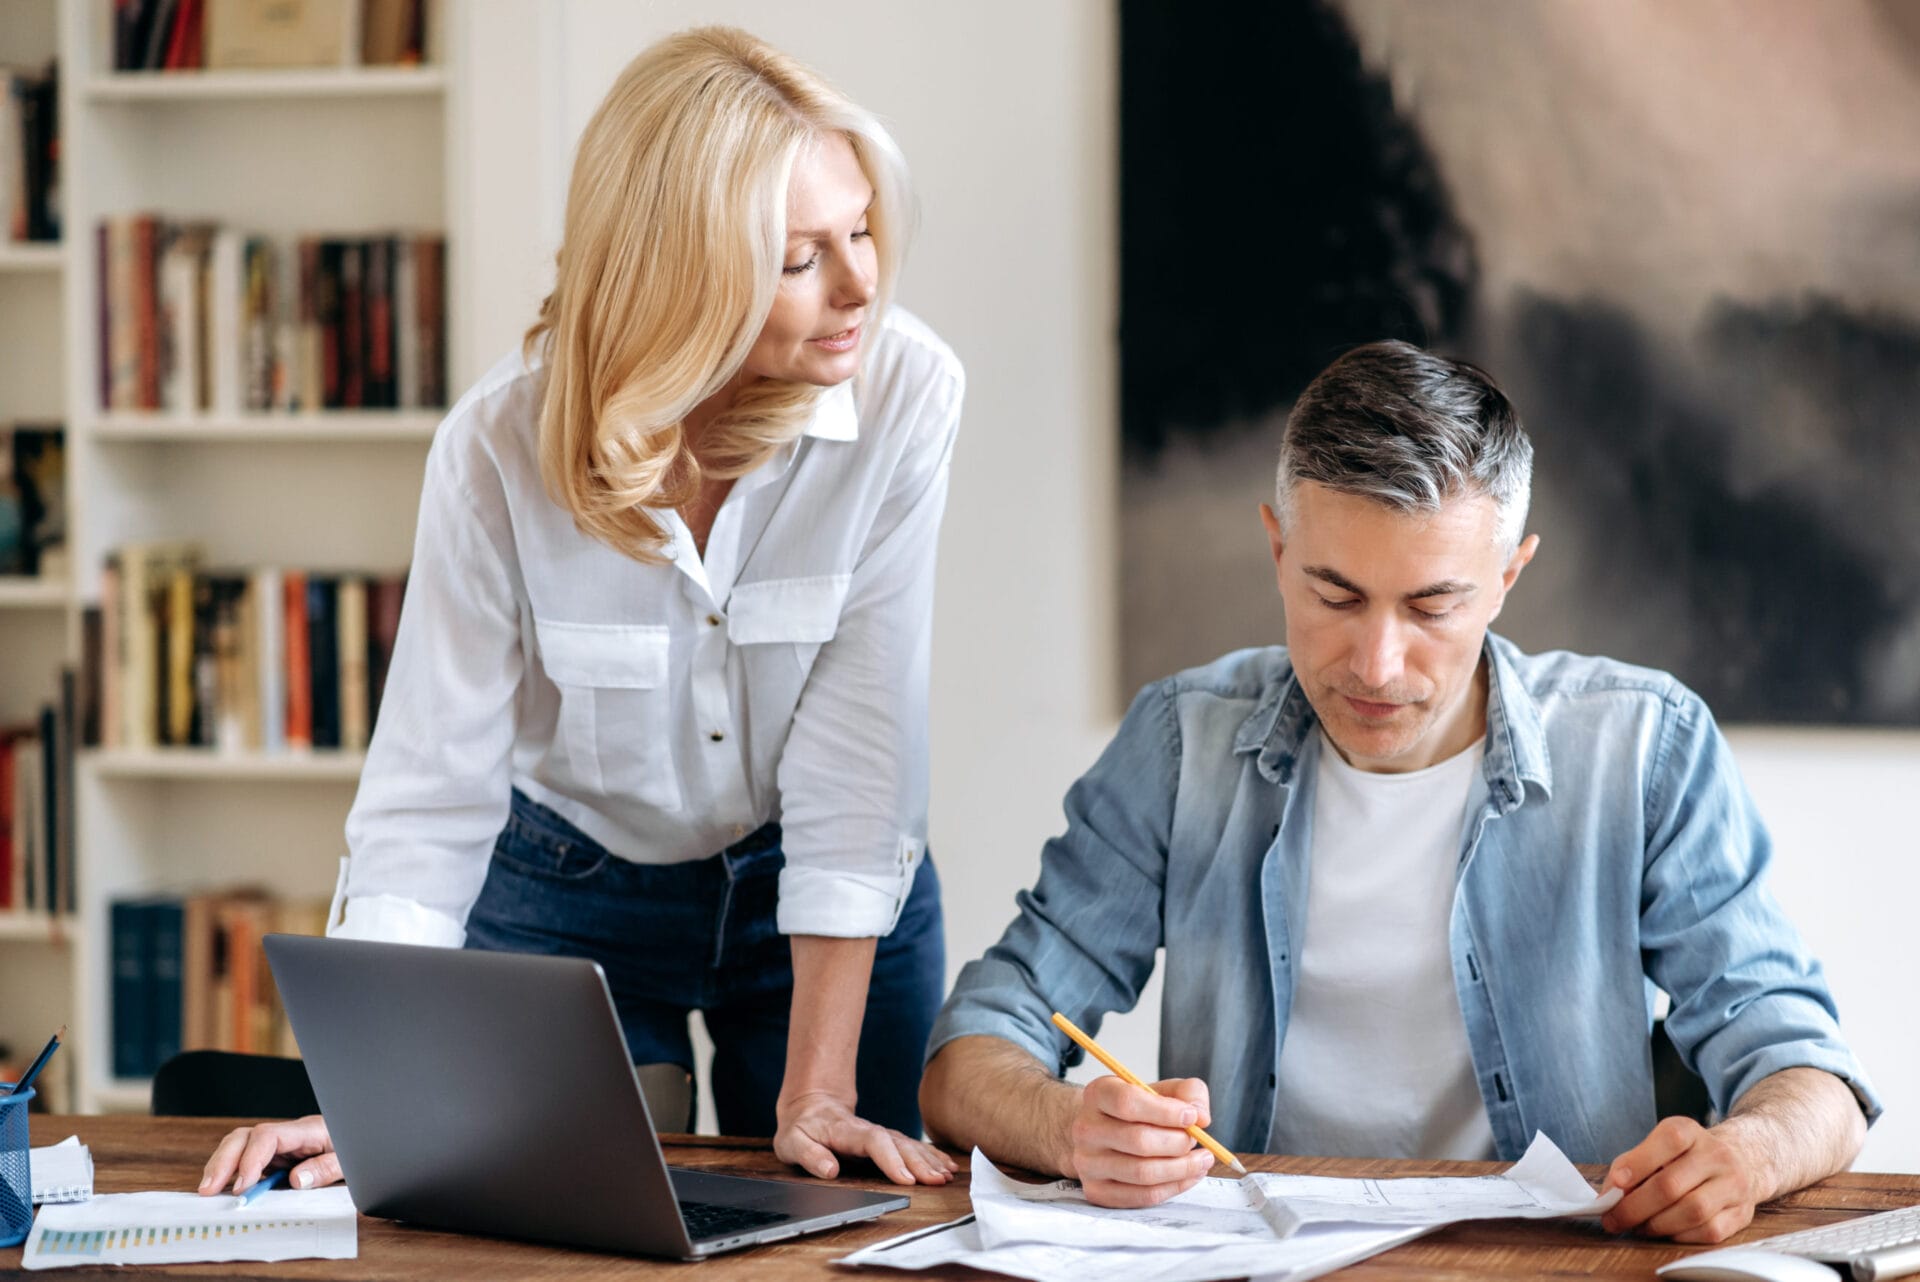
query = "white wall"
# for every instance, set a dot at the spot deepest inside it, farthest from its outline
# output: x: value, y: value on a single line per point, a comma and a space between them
x: 1007, y: 113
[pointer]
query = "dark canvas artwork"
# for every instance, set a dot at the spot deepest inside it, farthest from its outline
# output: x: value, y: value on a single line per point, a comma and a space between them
x: 1686, y: 240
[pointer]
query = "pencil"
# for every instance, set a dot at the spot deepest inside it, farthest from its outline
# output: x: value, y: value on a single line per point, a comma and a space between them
x: 40, y: 1062
x: 1121, y: 1071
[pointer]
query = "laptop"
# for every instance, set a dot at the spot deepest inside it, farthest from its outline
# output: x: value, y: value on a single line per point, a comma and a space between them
x: 491, y: 1093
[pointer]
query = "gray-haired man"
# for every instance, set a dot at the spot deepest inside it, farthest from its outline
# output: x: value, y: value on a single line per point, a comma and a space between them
x: 1416, y: 888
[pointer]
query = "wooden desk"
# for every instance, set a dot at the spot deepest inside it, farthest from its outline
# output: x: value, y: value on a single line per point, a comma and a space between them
x: 134, y: 1153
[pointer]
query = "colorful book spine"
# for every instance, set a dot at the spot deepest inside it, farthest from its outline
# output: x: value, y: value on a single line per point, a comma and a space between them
x: 299, y: 663
x: 127, y: 923
x: 270, y: 617
x: 352, y: 650
x: 323, y: 655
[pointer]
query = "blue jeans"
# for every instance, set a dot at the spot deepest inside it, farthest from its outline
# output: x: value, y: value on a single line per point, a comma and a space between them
x: 676, y: 938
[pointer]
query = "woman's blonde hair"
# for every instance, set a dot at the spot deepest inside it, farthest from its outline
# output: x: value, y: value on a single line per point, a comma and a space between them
x: 674, y: 242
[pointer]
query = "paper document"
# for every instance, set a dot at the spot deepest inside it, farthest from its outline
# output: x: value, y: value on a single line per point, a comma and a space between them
x: 1290, y: 1227
x: 1308, y: 1254
x: 182, y: 1228
x: 1542, y: 1185
x: 62, y: 1172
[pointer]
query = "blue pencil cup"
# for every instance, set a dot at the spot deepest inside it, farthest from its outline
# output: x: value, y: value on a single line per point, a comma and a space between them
x: 16, y: 1172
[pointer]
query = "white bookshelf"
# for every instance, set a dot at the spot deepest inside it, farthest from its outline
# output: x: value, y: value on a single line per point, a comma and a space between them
x: 337, y: 151
x: 39, y: 928
x: 336, y: 426
x: 31, y: 256
x: 189, y: 86
x: 19, y: 593
x: 39, y: 955
x: 205, y: 765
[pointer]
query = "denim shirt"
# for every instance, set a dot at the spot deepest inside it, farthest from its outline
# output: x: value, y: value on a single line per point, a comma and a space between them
x: 1611, y: 850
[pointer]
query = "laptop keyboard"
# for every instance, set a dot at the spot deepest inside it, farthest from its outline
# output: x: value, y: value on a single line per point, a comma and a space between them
x: 711, y: 1220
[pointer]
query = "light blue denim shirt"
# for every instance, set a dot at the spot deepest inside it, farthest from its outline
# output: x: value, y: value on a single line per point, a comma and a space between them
x: 1610, y: 848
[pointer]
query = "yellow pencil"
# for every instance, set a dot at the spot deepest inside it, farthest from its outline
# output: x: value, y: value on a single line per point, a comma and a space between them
x: 1121, y: 1071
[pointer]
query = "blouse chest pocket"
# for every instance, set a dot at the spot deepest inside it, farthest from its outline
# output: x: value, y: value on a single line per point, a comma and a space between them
x: 780, y: 625
x: 615, y: 727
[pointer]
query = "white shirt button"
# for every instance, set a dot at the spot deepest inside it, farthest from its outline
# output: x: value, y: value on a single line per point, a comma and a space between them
x: 713, y: 620
x: 715, y: 735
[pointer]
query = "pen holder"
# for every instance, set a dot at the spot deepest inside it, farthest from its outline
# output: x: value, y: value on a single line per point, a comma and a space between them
x: 16, y: 1174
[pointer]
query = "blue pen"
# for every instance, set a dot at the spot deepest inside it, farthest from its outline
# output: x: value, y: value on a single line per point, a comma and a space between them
x: 260, y: 1186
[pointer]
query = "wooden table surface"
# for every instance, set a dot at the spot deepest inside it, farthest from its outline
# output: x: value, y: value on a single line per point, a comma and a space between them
x: 138, y: 1153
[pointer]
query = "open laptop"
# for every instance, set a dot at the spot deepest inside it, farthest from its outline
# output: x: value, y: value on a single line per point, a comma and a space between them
x: 491, y: 1093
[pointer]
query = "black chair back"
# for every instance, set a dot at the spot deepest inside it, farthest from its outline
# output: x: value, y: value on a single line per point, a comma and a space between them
x: 224, y: 1084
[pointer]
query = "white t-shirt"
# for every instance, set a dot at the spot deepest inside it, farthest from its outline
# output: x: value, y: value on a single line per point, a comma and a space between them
x: 1375, y: 1062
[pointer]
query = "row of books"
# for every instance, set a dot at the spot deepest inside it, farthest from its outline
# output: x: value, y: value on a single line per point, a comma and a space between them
x: 37, y: 808
x: 188, y: 973
x: 262, y: 660
x: 30, y: 154
x: 33, y: 500
x: 196, y: 317
x: 184, y: 35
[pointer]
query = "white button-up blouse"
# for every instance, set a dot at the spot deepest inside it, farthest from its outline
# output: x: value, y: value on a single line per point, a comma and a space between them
x: 667, y: 710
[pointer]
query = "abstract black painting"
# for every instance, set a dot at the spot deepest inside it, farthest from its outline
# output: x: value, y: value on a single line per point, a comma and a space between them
x: 1686, y: 239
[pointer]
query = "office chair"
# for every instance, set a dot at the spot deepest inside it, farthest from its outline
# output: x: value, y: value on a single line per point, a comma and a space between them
x: 225, y: 1084
x: 1676, y: 1090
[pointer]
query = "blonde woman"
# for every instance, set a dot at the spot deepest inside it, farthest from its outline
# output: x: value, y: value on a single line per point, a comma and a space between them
x: 659, y: 694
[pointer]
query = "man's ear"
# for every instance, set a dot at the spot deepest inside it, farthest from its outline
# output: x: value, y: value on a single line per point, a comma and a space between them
x: 1511, y: 575
x: 1272, y: 522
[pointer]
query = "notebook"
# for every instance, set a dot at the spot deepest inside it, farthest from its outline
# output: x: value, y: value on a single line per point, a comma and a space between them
x: 62, y: 1172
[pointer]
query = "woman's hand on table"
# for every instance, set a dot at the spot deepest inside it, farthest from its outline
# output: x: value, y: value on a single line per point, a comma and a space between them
x: 252, y: 1151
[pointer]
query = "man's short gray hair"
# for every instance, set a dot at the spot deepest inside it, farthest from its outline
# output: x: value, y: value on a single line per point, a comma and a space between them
x: 1410, y: 430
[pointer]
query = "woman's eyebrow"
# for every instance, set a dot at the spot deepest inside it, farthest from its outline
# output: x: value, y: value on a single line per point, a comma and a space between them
x: 818, y: 234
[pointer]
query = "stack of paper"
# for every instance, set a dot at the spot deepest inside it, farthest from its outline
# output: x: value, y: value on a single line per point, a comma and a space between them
x: 62, y: 1172
x: 1291, y: 1227
x: 182, y: 1228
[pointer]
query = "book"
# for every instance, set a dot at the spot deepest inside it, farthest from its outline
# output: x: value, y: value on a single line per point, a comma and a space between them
x: 351, y: 649
x: 65, y: 798
x: 52, y: 815
x: 201, y: 956
x: 13, y: 162
x: 7, y: 891
x: 91, y: 672
x: 384, y: 597
x: 323, y: 654
x: 226, y: 285
x: 257, y: 325
x: 270, y: 658
x: 143, y: 300
x: 196, y: 317
x: 177, y: 624
x: 112, y: 656
x: 275, y: 33
x: 299, y: 662
x: 164, y: 941
x: 33, y: 487
x: 145, y: 576
x: 353, y: 318
x: 127, y: 926
x: 30, y: 151
x: 159, y: 33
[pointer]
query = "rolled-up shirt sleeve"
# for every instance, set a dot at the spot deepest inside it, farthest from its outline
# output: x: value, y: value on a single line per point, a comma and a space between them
x: 853, y: 775
x: 436, y: 787
x: 1749, y: 999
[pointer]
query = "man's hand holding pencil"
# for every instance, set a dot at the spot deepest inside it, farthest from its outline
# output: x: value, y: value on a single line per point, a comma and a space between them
x: 1134, y: 1144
